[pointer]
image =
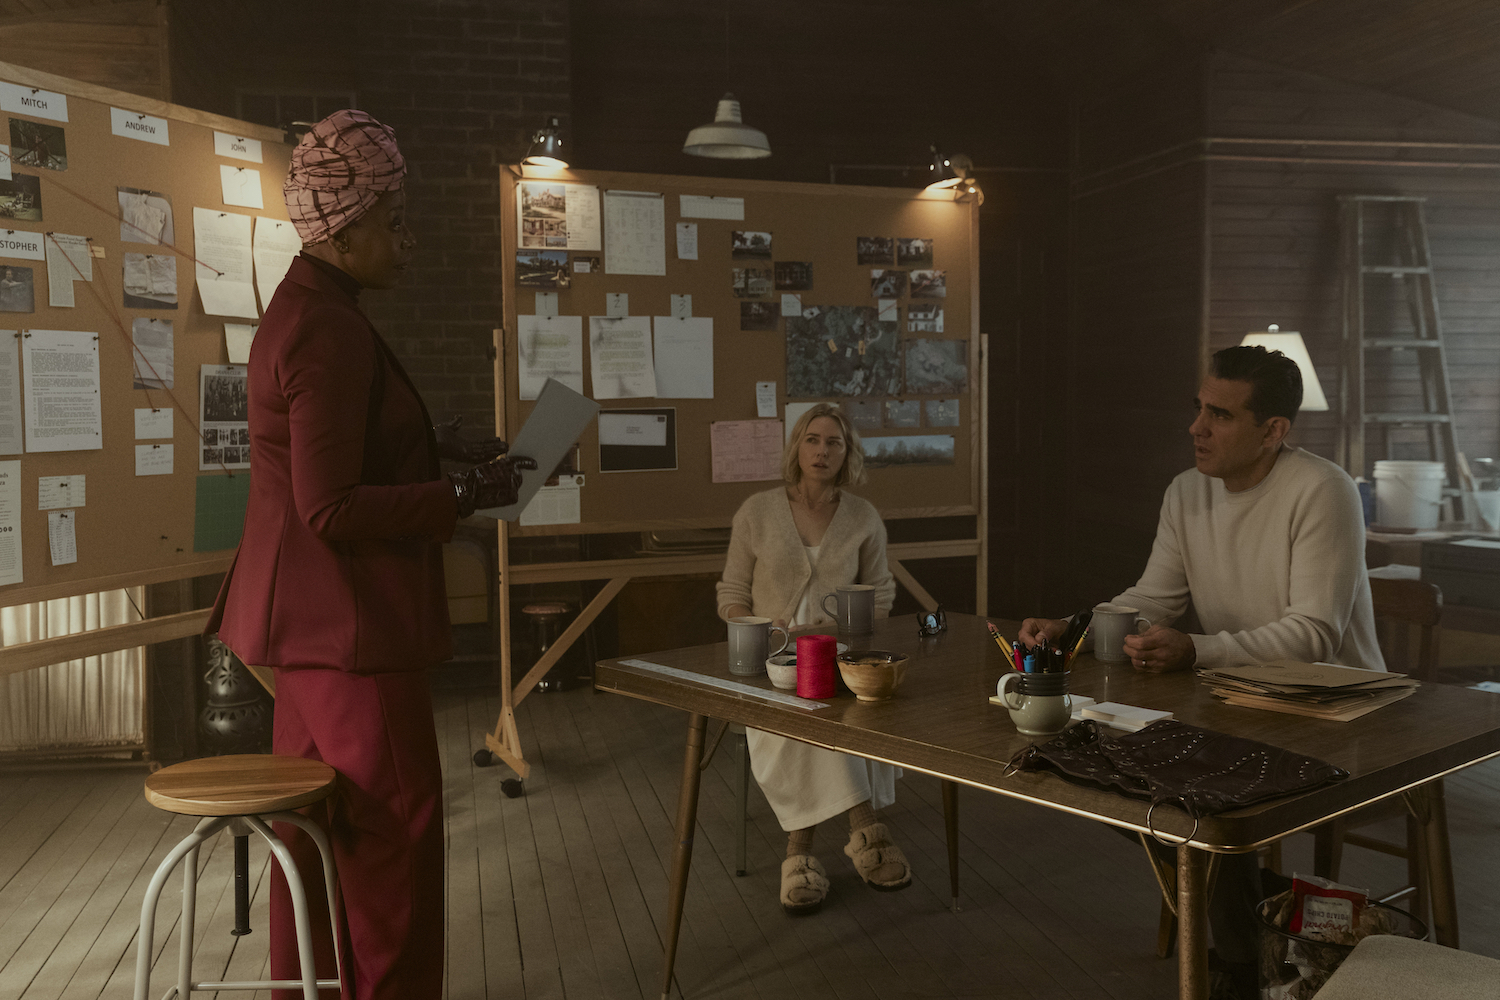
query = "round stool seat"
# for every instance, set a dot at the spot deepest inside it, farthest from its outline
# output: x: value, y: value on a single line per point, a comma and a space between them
x: 545, y: 608
x: 246, y: 784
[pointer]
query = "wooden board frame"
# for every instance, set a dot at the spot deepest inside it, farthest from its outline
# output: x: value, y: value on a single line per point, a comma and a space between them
x: 729, y: 404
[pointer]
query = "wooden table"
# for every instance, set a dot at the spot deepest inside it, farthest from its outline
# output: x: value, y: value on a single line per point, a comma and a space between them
x: 941, y: 723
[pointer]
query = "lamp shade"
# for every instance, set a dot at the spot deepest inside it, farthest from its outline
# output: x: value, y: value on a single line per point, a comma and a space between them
x: 727, y: 137
x: 546, y: 147
x: 1292, y: 346
x: 941, y: 172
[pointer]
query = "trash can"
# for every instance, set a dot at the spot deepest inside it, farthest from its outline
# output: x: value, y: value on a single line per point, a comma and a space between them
x: 1293, y: 967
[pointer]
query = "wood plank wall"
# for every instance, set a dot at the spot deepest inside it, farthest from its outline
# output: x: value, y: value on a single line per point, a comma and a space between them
x: 1275, y: 234
x: 123, y: 45
x: 1136, y: 290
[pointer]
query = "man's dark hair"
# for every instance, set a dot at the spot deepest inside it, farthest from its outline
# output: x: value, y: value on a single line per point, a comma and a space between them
x: 1275, y: 380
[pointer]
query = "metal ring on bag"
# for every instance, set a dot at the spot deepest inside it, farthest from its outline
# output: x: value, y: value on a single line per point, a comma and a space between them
x: 1156, y: 837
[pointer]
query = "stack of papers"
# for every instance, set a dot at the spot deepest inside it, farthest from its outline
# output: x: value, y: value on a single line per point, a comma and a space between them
x: 1126, y: 717
x: 1319, y: 690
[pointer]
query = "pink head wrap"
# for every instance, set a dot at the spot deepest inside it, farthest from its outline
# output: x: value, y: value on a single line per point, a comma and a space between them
x: 339, y: 169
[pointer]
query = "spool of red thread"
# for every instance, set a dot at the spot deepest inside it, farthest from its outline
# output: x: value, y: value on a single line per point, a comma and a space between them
x: 815, y: 665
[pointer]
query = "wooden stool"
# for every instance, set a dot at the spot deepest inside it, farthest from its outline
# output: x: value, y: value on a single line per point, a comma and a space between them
x: 243, y: 792
x: 547, y: 618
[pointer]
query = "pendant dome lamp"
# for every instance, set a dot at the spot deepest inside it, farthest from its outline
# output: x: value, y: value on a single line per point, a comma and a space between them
x: 727, y: 137
x: 546, y: 147
x: 941, y: 172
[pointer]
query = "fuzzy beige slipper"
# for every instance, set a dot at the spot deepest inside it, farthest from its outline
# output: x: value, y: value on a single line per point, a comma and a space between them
x: 804, y: 884
x: 879, y: 861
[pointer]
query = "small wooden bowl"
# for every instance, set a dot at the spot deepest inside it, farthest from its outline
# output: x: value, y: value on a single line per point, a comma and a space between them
x: 872, y: 674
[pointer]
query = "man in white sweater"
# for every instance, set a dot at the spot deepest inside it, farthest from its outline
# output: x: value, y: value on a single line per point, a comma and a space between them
x: 1267, y: 542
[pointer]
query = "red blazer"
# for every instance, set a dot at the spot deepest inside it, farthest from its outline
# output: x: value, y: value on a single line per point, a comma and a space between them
x: 341, y: 563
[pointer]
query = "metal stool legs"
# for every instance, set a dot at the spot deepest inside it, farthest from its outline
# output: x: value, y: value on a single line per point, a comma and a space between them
x: 188, y: 850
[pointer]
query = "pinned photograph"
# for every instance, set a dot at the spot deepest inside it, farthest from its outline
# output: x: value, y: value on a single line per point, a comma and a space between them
x: 759, y: 315
x: 542, y: 269
x: 17, y: 293
x: 907, y: 449
x: 21, y: 198
x: 929, y: 284
x: 33, y: 144
x: 749, y: 245
x: 924, y: 318
x: 544, y: 215
x: 150, y: 281
x: 874, y: 250
x: 152, y: 355
x: 223, y: 417
x: 587, y: 265
x: 942, y: 413
x: 937, y: 366
x: 903, y: 413
x: 841, y: 351
x: 750, y: 282
x: 864, y: 414
x: 914, y: 253
x: 887, y: 284
x: 145, y: 216
x: 793, y: 275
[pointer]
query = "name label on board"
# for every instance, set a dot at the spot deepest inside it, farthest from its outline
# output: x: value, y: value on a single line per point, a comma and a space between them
x: 19, y: 243
x: 237, y: 147
x: 134, y: 125
x: 36, y: 103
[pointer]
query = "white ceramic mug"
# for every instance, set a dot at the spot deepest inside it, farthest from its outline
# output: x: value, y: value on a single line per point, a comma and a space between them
x: 748, y: 639
x: 1110, y: 625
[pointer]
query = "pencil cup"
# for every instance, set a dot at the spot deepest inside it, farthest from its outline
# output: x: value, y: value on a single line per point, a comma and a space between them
x: 1039, y: 703
x: 815, y: 665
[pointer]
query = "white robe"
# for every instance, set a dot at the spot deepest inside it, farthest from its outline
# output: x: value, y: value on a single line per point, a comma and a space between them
x: 806, y: 784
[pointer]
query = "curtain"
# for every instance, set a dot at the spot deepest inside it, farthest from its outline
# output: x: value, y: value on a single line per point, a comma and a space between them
x: 96, y: 701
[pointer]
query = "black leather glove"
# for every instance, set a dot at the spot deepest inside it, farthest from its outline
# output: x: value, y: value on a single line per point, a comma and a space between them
x: 493, y: 484
x: 453, y: 446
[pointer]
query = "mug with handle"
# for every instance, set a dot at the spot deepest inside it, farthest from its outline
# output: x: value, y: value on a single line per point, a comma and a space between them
x: 1111, y: 624
x: 748, y: 641
x: 854, y: 608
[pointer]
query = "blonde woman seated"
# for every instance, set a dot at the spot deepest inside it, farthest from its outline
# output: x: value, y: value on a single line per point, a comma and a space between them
x: 790, y: 546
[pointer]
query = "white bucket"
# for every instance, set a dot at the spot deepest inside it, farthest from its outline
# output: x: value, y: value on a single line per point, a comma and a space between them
x: 1408, y: 494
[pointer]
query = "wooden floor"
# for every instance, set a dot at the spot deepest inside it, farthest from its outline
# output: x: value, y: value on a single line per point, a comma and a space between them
x: 560, y: 893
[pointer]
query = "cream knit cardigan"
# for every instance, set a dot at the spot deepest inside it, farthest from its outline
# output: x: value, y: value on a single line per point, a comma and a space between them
x: 768, y: 570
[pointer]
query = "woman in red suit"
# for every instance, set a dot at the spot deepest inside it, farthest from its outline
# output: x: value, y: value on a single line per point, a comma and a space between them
x: 338, y: 582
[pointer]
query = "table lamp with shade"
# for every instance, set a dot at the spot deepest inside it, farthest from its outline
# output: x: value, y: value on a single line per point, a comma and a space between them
x: 1290, y: 344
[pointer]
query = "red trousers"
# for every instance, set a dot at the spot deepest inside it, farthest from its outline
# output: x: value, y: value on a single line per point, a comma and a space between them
x: 385, y: 825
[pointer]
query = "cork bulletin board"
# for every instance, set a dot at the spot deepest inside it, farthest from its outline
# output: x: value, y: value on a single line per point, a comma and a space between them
x: 825, y: 242
x: 131, y: 529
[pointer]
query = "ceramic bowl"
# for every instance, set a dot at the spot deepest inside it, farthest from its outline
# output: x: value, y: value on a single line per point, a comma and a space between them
x: 872, y: 674
x: 782, y: 669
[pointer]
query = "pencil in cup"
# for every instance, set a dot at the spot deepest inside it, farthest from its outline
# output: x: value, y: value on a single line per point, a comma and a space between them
x: 1005, y: 647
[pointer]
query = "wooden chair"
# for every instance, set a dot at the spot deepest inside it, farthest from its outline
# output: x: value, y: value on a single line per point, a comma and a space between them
x: 243, y: 792
x: 1399, y: 604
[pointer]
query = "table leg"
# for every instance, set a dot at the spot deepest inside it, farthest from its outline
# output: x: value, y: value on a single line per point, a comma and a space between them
x: 950, y: 822
x: 1192, y: 923
x: 741, y: 794
x: 1434, y: 830
x: 682, y: 851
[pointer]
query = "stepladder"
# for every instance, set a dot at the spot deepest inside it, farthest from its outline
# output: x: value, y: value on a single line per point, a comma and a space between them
x: 1395, y: 392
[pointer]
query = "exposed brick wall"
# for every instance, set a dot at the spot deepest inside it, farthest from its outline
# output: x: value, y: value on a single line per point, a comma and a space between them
x: 464, y: 83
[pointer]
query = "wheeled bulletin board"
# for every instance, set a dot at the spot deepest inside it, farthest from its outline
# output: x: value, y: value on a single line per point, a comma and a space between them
x: 814, y: 224
x: 132, y: 529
